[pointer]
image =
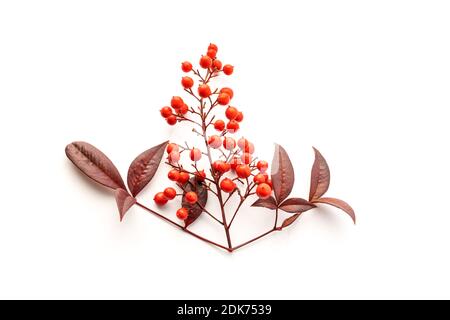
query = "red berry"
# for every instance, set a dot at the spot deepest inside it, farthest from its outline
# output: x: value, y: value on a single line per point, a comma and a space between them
x: 186, y: 66
x: 232, y: 126
x: 259, y: 178
x: 174, y: 157
x: 170, y: 193
x: 242, y: 143
x: 195, y: 154
x: 173, y: 175
x: 160, y: 199
x: 184, y: 109
x: 219, y: 125
x: 166, y: 112
x: 250, y: 148
x: 227, y: 91
x: 172, y: 120
x: 239, y: 117
x: 243, y: 171
x: 204, y: 91
x: 176, y: 102
x: 187, y: 82
x: 223, y: 99
x: 171, y: 147
x: 246, y: 158
x: 227, y: 185
x: 183, y: 178
x: 262, y: 166
x: 217, y: 64
x: 269, y: 182
x: 205, y: 62
x: 229, y: 143
x: 191, y: 197
x: 213, y: 47
x: 235, y: 162
x: 211, y: 53
x: 215, y: 141
x: 228, y: 69
x: 182, y: 213
x: 263, y: 191
x: 221, y: 166
x: 231, y: 113
x: 200, y: 175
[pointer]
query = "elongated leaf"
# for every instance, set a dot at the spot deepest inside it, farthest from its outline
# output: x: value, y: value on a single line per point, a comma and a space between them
x: 339, y: 204
x: 196, y: 209
x: 144, y: 167
x: 268, y: 203
x: 296, y: 205
x: 320, y: 176
x: 95, y: 164
x: 290, y: 220
x: 124, y: 202
x: 282, y: 174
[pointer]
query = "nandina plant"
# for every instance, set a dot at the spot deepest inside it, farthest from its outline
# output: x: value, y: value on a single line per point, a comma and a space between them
x: 219, y: 168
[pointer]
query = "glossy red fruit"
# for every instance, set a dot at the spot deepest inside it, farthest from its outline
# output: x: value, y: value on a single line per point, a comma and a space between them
x: 205, y: 62
x: 223, y: 99
x: 219, y: 125
x: 173, y: 175
x: 183, y: 178
x: 217, y: 64
x: 263, y: 191
x: 227, y: 91
x: 172, y: 147
x: 213, y: 47
x: 174, y: 157
x: 195, y: 154
x: 228, y: 69
x: 170, y: 193
x: 229, y: 143
x: 231, y: 113
x: 182, y: 213
x: 243, y: 171
x: 186, y: 66
x: 262, y: 166
x: 176, y: 102
x: 160, y: 199
x: 212, y: 53
x: 187, y: 82
x: 215, y: 141
x: 184, y: 109
x: 246, y: 158
x: 204, y: 91
x: 235, y: 162
x: 172, y: 120
x: 200, y: 175
x: 166, y: 112
x: 221, y: 166
x: 259, y: 178
x: 250, y: 148
x: 191, y: 197
x: 239, y: 117
x: 233, y: 126
x: 227, y: 185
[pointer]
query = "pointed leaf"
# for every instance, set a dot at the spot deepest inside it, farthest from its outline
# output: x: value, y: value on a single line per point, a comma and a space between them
x: 196, y: 209
x: 95, y: 164
x: 144, y: 167
x: 320, y: 176
x: 282, y: 174
x: 268, y: 203
x: 296, y: 205
x: 124, y: 202
x: 290, y: 220
x: 339, y: 204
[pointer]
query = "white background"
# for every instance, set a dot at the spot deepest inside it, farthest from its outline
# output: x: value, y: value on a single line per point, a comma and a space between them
x: 366, y: 82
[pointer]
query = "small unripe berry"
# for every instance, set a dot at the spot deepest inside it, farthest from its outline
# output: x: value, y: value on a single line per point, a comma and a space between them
x: 160, y: 199
x: 205, y: 62
x: 184, y: 109
x: 259, y: 178
x: 246, y: 158
x: 176, y: 102
x: 173, y: 175
x: 233, y: 126
x: 183, y: 178
x: 213, y: 47
x: 172, y: 120
x: 187, y: 82
x: 170, y: 193
x: 243, y: 171
x: 191, y: 197
x: 228, y: 69
x: 186, y: 66
x: 215, y: 141
x: 182, y: 213
x: 204, y: 91
x: 211, y: 53
x: 227, y: 91
x: 223, y: 99
x: 263, y: 191
x: 235, y: 162
x: 231, y: 113
x: 200, y: 176
x: 239, y: 117
x: 219, y: 125
x: 229, y: 143
x: 174, y: 157
x: 217, y: 64
x: 262, y: 166
x: 166, y: 112
x: 227, y: 185
x: 195, y: 154
x: 172, y: 147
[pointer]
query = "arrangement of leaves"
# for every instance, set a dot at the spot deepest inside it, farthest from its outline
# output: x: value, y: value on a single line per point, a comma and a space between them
x: 235, y: 166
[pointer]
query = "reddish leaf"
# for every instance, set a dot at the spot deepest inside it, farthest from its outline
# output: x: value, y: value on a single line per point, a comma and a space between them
x: 124, y: 202
x: 95, y: 164
x: 296, y: 205
x: 290, y: 220
x: 196, y: 209
x: 339, y: 204
x: 320, y: 177
x: 268, y: 203
x: 144, y: 167
x: 282, y: 174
